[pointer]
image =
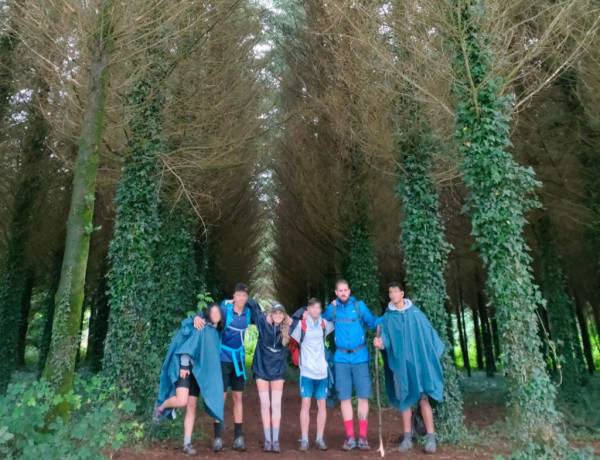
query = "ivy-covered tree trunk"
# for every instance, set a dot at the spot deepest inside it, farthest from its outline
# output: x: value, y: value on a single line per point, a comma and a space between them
x: 177, y: 275
x: 361, y: 270
x: 130, y: 360
x: 60, y: 366
x: 561, y: 318
x: 499, y: 194
x: 425, y: 257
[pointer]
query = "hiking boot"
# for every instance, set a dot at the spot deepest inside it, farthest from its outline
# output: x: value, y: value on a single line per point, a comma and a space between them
x: 157, y: 414
x: 217, y: 445
x: 405, y: 445
x: 239, y: 445
x: 349, y: 444
x: 189, y: 449
x: 320, y: 445
x: 276, y: 447
x: 363, y: 444
x: 303, y: 445
x: 430, y: 444
x: 267, y: 446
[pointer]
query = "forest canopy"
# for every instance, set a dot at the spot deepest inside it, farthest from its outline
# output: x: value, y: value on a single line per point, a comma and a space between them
x: 155, y: 153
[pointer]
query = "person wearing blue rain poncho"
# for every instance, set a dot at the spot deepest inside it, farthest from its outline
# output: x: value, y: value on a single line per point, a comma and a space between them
x: 189, y: 371
x: 412, y: 350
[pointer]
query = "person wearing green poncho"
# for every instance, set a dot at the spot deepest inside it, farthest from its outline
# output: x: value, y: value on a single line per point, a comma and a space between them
x: 412, y: 350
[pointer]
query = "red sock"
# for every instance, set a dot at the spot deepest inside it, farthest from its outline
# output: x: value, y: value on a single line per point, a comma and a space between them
x: 349, y: 428
x: 362, y: 428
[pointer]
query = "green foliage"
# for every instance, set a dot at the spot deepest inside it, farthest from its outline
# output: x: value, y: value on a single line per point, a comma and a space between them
x: 425, y: 255
x: 98, y: 425
x: 499, y: 194
x: 559, y: 305
x: 130, y: 358
x: 176, y: 275
x: 361, y: 271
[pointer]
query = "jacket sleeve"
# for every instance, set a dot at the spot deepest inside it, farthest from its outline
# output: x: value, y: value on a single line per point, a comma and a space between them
x: 328, y: 313
x: 329, y: 327
x: 296, y: 332
x: 370, y: 320
x: 258, y: 316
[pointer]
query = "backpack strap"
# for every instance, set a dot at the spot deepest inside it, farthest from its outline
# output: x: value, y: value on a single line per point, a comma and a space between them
x: 302, y: 331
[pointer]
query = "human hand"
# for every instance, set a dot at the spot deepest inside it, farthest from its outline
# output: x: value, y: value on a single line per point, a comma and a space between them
x: 183, y: 373
x: 378, y: 342
x: 199, y: 323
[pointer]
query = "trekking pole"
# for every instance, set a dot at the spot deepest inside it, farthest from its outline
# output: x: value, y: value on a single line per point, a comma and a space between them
x: 381, y: 450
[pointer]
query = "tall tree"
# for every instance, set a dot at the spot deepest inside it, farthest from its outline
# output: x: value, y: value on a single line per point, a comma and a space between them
x: 426, y: 251
x: 499, y: 193
x: 60, y: 366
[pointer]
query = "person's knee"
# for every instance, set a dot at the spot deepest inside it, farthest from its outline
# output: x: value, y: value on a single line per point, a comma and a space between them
x: 181, y: 401
x: 237, y: 397
x: 192, y: 402
x: 424, y: 403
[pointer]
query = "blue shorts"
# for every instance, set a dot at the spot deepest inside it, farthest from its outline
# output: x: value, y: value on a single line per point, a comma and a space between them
x: 309, y: 386
x: 352, y: 375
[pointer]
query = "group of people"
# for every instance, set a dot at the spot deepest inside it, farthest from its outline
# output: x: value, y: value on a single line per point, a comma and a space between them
x: 215, y: 340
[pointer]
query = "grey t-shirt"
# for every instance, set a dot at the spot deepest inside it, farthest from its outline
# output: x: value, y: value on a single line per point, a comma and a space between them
x: 313, y: 364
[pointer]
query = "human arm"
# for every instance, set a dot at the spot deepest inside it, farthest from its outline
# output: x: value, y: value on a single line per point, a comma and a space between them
x: 368, y: 318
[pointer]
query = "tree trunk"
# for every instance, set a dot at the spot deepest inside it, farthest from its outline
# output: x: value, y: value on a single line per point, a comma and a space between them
x: 478, y: 339
x: 98, y: 323
x: 585, y: 332
x: 48, y: 310
x: 422, y: 238
x: 450, y: 334
x: 462, y: 333
x: 490, y: 363
x: 24, y: 323
x: 499, y: 193
x: 60, y: 366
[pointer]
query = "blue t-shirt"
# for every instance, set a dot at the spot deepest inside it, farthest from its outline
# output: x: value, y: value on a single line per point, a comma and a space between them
x: 231, y: 338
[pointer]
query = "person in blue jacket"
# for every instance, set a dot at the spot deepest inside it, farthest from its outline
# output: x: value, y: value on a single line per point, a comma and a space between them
x: 187, y: 372
x: 268, y: 366
x: 238, y: 315
x: 351, y: 359
x: 412, y: 350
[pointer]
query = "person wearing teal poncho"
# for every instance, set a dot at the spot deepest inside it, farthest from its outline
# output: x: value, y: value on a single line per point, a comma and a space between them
x: 412, y: 350
x: 189, y: 371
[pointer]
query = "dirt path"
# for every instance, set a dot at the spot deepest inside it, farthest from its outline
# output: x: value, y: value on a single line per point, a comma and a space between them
x: 290, y: 432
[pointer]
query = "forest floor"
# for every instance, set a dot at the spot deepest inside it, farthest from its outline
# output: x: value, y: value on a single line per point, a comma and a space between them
x: 484, y: 418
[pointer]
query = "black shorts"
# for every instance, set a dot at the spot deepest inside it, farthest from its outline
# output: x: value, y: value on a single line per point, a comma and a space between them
x: 230, y: 379
x: 190, y: 383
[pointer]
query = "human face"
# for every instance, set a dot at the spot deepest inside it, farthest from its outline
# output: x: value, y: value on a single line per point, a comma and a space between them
x: 342, y: 291
x: 215, y: 314
x: 314, y: 310
x: 240, y: 298
x: 278, y: 317
x: 396, y: 296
